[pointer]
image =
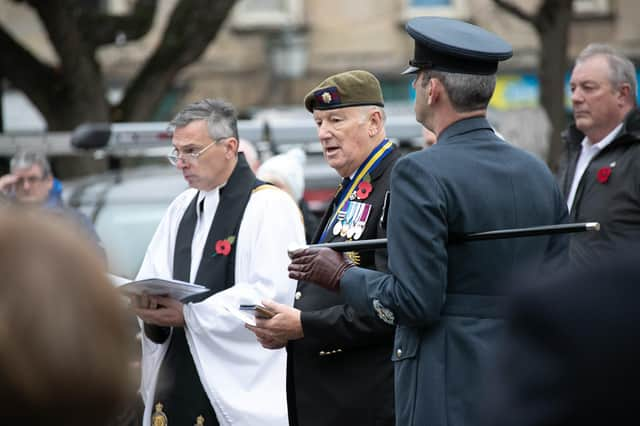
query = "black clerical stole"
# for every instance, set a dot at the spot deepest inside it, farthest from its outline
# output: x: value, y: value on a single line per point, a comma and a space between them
x: 179, y: 388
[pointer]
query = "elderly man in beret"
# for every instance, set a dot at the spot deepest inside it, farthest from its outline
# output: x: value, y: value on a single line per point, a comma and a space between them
x: 445, y: 297
x: 339, y: 368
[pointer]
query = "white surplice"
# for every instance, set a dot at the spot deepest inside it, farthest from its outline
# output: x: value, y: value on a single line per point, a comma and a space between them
x: 246, y: 383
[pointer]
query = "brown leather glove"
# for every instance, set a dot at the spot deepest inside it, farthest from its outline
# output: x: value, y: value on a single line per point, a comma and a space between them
x: 321, y: 266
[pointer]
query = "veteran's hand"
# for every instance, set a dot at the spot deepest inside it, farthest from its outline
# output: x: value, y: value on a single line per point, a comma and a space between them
x: 160, y: 310
x: 321, y: 266
x: 275, y: 332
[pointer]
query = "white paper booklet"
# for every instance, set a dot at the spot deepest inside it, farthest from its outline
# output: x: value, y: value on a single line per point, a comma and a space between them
x: 158, y: 286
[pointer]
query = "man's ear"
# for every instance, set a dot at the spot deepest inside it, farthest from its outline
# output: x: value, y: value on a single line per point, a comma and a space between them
x: 232, y: 147
x: 375, y: 122
x: 624, y: 94
x: 433, y: 91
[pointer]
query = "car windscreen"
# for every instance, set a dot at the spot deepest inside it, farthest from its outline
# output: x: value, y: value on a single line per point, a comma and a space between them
x: 125, y: 231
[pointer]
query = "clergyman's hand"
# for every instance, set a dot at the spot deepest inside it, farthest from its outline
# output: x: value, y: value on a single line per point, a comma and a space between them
x: 160, y: 310
x: 321, y: 266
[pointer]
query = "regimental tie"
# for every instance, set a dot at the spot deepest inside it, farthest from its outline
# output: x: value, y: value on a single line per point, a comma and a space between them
x: 159, y: 418
x: 342, y: 195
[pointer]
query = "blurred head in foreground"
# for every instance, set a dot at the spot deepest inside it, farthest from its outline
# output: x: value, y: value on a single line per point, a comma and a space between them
x: 571, y: 350
x: 64, y: 344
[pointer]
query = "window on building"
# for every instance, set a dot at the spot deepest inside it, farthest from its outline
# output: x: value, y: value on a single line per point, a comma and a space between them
x: 447, y: 8
x: 591, y: 7
x: 267, y: 14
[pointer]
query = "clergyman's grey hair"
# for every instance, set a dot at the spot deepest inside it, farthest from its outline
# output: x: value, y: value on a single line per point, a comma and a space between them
x: 221, y: 117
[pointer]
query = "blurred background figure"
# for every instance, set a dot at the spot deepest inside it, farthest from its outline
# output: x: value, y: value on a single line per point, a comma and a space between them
x: 250, y: 153
x: 31, y: 183
x: 571, y: 351
x: 286, y: 171
x: 428, y: 136
x: 64, y: 341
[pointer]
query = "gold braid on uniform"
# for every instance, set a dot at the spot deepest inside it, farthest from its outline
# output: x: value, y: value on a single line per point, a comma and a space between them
x: 354, y: 256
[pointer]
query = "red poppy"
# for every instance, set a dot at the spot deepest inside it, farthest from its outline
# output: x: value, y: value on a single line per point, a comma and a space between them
x: 364, y: 188
x: 223, y: 247
x: 603, y: 174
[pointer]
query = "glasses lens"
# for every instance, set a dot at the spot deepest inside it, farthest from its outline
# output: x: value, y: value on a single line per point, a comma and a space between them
x: 173, y: 157
x: 31, y: 180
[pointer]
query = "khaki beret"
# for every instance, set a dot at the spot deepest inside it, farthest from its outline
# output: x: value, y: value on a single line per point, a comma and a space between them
x: 351, y: 88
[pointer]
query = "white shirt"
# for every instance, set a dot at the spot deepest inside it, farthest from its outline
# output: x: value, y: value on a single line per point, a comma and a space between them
x: 587, y: 153
x: 245, y: 383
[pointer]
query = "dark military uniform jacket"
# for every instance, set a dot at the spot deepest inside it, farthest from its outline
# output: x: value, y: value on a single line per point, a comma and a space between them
x: 445, y: 296
x: 341, y: 373
x: 613, y: 199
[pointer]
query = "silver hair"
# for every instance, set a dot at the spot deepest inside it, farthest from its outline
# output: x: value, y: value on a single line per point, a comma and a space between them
x: 221, y: 117
x: 467, y: 92
x: 621, y: 69
x: 27, y: 159
x: 365, y: 109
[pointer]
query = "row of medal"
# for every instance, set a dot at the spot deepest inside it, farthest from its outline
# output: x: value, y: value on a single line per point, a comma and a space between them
x: 351, y: 220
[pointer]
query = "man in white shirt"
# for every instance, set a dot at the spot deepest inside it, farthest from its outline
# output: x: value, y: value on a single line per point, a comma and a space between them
x: 229, y: 232
x: 601, y: 177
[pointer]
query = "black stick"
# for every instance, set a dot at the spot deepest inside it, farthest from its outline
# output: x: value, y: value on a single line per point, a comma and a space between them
x: 476, y: 236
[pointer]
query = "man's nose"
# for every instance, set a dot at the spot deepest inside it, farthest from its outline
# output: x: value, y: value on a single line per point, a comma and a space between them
x: 323, y: 132
x: 576, y: 96
x: 181, y: 163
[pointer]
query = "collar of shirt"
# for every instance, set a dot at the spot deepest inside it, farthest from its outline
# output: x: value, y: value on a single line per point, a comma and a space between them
x: 596, y: 147
x: 209, y: 199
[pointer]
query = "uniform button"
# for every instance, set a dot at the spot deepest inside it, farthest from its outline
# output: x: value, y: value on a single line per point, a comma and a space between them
x: 298, y: 295
x: 322, y: 353
x: 399, y: 352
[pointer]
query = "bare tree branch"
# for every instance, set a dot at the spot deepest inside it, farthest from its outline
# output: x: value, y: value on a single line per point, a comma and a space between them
x: 101, y: 29
x: 515, y: 10
x: 73, y: 90
x: 192, y: 26
x: 27, y: 73
x: 83, y: 81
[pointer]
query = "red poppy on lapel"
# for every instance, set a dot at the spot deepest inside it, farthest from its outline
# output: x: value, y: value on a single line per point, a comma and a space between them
x: 223, y: 247
x: 363, y: 191
x: 603, y: 174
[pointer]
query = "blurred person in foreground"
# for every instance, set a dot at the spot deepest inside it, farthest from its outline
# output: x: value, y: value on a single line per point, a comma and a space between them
x: 64, y: 338
x: 570, y: 356
x: 339, y: 372
x: 601, y: 177
x: 31, y: 183
x: 444, y: 296
x: 229, y: 232
x: 286, y: 171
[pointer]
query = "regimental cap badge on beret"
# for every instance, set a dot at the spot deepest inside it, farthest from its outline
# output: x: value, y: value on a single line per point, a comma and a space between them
x: 445, y: 44
x: 327, y: 96
x: 351, y: 88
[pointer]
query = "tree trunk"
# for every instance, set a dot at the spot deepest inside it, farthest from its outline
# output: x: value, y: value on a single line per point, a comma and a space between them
x: 73, y: 90
x: 553, y: 31
x: 192, y: 26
